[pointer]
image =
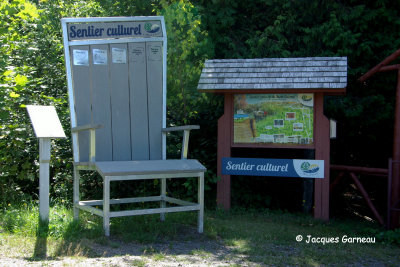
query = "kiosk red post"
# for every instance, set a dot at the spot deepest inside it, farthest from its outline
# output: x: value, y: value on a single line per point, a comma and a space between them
x: 275, y: 82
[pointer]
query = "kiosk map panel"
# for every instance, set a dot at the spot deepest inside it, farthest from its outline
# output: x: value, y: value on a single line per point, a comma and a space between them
x: 274, y: 118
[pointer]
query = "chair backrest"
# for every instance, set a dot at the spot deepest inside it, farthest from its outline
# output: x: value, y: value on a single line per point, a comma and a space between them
x: 119, y: 84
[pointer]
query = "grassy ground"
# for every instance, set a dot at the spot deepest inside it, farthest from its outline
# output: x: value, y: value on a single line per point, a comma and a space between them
x: 234, y: 238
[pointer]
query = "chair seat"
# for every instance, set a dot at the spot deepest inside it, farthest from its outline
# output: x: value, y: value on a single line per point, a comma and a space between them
x: 122, y: 168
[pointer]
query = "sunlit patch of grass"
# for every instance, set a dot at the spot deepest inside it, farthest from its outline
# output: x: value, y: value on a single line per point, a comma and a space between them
x: 201, y: 253
x: 269, y: 237
x: 138, y: 263
x: 158, y: 256
x: 23, y: 234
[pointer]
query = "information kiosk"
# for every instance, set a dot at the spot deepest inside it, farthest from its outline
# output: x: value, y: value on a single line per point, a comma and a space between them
x: 275, y: 103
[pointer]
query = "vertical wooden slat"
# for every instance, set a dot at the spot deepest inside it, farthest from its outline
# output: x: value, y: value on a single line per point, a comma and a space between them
x: 154, y: 55
x: 395, y: 193
x: 82, y: 97
x: 120, y: 109
x: 163, y: 192
x: 101, y: 108
x: 224, y: 150
x: 322, y: 152
x: 44, y: 176
x: 138, y: 101
x: 185, y: 144
x: 201, y: 203
x: 76, y: 193
x: 106, y: 205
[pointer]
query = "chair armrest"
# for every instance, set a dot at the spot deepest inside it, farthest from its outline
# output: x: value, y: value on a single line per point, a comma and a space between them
x: 181, y: 128
x: 92, y: 139
x: 86, y: 127
x: 185, y: 142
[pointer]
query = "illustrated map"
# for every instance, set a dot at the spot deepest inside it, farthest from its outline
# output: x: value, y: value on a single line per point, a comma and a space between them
x: 274, y: 118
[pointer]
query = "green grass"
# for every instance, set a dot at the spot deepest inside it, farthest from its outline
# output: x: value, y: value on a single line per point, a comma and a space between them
x: 269, y: 237
x: 262, y: 237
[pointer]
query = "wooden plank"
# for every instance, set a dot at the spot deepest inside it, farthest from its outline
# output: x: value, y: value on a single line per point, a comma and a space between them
x: 121, y: 200
x: 154, y: 56
x: 277, y: 69
x: 269, y: 80
x: 260, y: 64
x: 280, y: 146
x: 117, y: 168
x: 277, y: 59
x: 336, y: 181
x: 101, y: 105
x: 254, y: 86
x: 272, y: 75
x: 152, y: 176
x: 375, y: 69
x: 82, y: 95
x: 200, y: 194
x: 120, y: 109
x: 106, y: 206
x: 139, y: 101
x: 88, y: 208
x: 153, y: 211
x: 178, y: 201
x: 366, y: 198
x: 44, y: 178
x: 181, y: 128
x: 224, y: 150
x: 322, y: 152
x: 363, y: 170
x: 395, y: 186
x: 329, y: 91
x: 76, y: 195
x: 86, y: 128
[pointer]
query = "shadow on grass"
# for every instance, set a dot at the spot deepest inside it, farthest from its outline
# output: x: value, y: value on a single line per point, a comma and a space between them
x: 42, y: 233
x: 73, y: 241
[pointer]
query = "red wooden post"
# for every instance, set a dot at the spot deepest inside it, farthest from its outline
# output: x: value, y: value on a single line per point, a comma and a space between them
x: 224, y: 150
x: 395, y: 194
x: 395, y: 185
x: 322, y: 152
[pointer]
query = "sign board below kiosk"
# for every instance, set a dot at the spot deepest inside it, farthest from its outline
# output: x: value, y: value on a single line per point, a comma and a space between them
x: 301, y: 168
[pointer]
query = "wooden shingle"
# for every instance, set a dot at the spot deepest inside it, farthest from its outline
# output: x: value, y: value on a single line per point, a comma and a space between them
x: 314, y: 74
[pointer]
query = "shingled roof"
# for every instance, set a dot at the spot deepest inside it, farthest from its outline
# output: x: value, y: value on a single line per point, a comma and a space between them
x: 317, y: 74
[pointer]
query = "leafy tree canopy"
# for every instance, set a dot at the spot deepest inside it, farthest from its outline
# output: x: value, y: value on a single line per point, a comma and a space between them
x: 32, y: 71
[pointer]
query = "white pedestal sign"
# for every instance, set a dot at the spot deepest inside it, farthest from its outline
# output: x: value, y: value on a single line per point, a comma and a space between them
x: 46, y: 125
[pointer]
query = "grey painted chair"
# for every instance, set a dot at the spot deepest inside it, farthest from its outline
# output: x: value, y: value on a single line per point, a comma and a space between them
x: 118, y: 115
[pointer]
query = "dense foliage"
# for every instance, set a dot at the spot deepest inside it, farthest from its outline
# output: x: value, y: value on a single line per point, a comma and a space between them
x: 32, y: 72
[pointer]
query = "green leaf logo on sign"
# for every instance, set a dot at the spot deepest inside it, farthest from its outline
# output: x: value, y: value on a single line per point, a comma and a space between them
x: 305, y: 166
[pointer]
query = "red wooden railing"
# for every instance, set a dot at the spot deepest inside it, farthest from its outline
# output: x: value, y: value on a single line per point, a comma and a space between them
x: 353, y: 172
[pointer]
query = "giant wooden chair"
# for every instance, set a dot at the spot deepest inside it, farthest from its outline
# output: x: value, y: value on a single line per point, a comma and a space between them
x: 117, y: 95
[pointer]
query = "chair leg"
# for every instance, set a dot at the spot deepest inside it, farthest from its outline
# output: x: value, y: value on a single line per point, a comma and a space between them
x: 201, y: 203
x: 106, y: 206
x: 163, y: 194
x: 76, y: 193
